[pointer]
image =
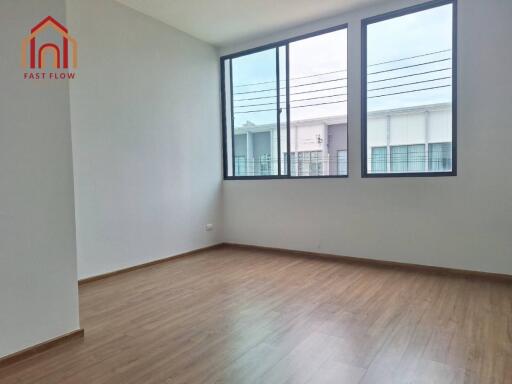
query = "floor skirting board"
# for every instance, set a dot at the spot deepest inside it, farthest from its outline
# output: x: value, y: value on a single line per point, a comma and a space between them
x: 382, y: 263
x: 38, y: 348
x: 148, y: 264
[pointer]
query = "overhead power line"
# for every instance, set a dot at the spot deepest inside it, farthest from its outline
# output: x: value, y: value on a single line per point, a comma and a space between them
x: 408, y: 58
x: 413, y: 83
x: 297, y: 106
x: 344, y: 86
x: 291, y: 86
x: 274, y: 89
x: 293, y: 78
x: 292, y: 101
x: 369, y: 74
x: 344, y: 70
x: 292, y: 94
x: 409, y: 66
x: 343, y: 101
x: 414, y: 90
x: 413, y: 74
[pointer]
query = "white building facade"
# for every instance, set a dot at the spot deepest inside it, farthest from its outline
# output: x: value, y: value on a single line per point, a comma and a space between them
x: 415, y: 139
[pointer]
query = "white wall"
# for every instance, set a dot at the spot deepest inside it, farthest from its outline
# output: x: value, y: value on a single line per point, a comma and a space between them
x: 146, y: 138
x: 410, y: 127
x: 461, y: 222
x: 38, y: 287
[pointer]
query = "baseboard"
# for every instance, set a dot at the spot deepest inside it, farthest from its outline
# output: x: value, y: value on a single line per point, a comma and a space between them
x: 38, y: 348
x: 148, y: 264
x: 346, y: 259
x: 381, y: 263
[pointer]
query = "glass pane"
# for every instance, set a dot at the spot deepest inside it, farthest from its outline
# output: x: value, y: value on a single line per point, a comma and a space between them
x: 282, y: 114
x: 409, y: 89
x: 440, y: 157
x: 379, y: 159
x: 416, y: 158
x: 318, y: 108
x: 240, y: 166
x: 227, y: 115
x: 342, y: 162
x: 399, y: 158
x: 255, y: 113
x: 293, y: 164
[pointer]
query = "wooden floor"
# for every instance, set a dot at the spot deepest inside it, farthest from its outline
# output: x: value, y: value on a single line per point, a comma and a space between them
x: 240, y: 316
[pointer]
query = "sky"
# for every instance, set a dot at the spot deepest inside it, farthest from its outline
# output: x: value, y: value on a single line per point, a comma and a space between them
x: 406, y: 36
x: 310, y: 59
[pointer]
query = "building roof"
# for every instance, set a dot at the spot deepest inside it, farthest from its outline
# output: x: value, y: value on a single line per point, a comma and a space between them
x: 342, y: 119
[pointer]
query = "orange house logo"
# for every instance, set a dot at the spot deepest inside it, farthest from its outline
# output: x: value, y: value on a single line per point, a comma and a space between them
x: 40, y: 54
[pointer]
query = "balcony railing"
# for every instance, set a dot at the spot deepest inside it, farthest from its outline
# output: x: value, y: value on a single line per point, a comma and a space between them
x: 268, y: 166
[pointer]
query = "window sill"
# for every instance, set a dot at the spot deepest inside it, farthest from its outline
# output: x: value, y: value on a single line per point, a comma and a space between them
x: 409, y: 174
x: 284, y: 177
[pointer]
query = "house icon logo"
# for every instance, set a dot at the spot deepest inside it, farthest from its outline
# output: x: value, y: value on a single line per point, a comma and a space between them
x: 49, y: 46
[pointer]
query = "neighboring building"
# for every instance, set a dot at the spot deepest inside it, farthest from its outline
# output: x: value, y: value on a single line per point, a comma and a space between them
x: 414, y: 139
x: 318, y: 148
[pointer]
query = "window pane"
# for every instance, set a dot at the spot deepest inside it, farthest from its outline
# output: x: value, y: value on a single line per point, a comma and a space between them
x: 399, y: 158
x: 255, y: 113
x: 283, y: 114
x: 228, y: 124
x: 318, y: 109
x: 293, y: 164
x: 240, y: 165
x: 342, y: 162
x: 416, y: 158
x: 407, y: 158
x: 379, y: 159
x: 440, y: 157
x: 409, y: 90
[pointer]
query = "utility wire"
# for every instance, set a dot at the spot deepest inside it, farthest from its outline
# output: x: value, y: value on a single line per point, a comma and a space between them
x: 291, y: 94
x: 413, y: 83
x: 344, y: 78
x: 343, y: 101
x: 414, y: 90
x: 409, y: 66
x: 344, y: 70
x: 292, y: 101
x: 293, y: 78
x: 297, y: 106
x: 408, y: 58
x: 414, y: 74
x: 374, y: 81
x: 291, y: 86
x: 318, y: 90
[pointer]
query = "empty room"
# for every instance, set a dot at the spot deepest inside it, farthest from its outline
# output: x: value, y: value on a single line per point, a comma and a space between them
x: 256, y: 191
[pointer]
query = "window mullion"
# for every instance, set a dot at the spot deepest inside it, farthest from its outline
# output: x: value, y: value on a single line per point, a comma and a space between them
x: 288, y: 140
x: 232, y: 116
x: 278, y: 111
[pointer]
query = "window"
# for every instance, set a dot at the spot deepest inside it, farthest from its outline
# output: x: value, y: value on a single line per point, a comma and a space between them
x: 240, y: 165
x: 379, y: 159
x: 285, y: 108
x: 439, y: 157
x: 409, y: 90
x: 408, y: 158
x: 342, y: 162
x: 310, y: 163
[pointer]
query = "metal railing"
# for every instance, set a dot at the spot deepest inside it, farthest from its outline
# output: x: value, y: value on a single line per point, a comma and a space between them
x: 317, y: 166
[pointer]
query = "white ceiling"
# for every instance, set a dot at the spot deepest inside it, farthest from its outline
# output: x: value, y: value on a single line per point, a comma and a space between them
x: 222, y: 22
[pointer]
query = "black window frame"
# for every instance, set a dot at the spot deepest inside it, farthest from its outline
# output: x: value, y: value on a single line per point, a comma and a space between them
x: 276, y: 45
x: 364, y: 69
